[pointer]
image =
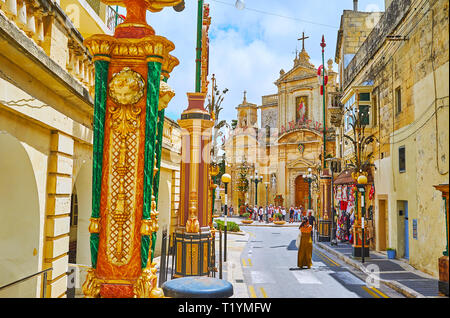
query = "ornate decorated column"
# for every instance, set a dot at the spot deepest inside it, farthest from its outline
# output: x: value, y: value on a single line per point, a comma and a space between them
x: 193, y: 234
x: 129, y: 95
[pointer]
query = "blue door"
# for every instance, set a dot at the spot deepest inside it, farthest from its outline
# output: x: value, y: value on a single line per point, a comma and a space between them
x: 406, y: 230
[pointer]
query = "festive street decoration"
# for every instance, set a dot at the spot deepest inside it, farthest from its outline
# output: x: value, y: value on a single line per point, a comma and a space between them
x: 193, y: 238
x: 130, y: 92
x: 322, y: 77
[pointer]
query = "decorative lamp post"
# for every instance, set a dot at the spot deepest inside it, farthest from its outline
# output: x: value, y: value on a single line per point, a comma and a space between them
x: 360, y: 164
x: 226, y: 178
x: 361, y: 183
x: 193, y: 236
x: 323, y: 45
x: 267, y: 192
x: 267, y: 200
x: 334, y: 162
x: 256, y: 179
x: 310, y: 177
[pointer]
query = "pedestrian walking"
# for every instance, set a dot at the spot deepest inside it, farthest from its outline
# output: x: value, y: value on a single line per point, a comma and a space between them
x: 260, y: 213
x: 283, y: 213
x: 304, y: 255
x: 291, y: 214
x: 312, y: 221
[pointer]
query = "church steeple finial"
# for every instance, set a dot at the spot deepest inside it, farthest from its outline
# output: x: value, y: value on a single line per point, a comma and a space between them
x: 303, y: 38
x: 245, y: 97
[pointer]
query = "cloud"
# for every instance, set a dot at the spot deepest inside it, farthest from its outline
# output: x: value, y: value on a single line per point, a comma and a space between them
x: 248, y: 48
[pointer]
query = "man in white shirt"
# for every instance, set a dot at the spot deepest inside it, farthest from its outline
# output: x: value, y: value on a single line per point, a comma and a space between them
x: 283, y: 212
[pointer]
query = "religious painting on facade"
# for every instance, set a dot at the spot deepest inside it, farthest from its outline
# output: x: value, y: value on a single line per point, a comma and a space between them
x: 302, y: 108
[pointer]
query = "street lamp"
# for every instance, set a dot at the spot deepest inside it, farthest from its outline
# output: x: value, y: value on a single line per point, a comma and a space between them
x: 256, y: 179
x: 334, y: 162
x: 267, y: 198
x: 362, y: 181
x: 310, y: 177
x: 226, y: 178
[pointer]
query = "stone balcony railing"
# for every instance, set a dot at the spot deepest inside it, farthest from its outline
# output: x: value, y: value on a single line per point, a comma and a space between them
x: 335, y: 109
x: 45, y: 23
x: 269, y: 100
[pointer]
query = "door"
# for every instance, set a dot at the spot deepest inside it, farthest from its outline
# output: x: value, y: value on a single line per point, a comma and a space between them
x: 381, y: 239
x: 301, y: 192
x: 406, y: 230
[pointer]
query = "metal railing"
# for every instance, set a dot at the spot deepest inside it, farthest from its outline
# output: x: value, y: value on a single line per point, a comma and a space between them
x: 169, y: 255
x: 113, y: 18
x: 44, y: 281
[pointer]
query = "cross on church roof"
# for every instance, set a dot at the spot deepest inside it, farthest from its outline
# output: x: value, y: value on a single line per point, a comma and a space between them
x: 303, y: 38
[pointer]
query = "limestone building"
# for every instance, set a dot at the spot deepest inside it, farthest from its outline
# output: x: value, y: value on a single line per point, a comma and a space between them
x: 397, y: 75
x: 46, y: 113
x: 288, y: 141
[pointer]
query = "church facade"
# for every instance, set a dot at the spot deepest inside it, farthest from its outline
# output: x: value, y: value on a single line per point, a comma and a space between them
x: 289, y: 142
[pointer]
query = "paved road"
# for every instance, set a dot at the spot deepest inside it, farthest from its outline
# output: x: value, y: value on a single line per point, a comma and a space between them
x: 270, y: 255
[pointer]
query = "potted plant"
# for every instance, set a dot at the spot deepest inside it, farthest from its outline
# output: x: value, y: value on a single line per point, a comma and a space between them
x: 247, y: 219
x: 390, y: 253
x: 277, y: 219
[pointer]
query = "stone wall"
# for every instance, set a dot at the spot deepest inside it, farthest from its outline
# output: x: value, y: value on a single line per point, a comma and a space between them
x: 416, y: 63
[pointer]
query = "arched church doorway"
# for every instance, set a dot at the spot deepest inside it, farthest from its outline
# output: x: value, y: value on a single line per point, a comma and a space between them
x: 19, y: 215
x: 301, y: 192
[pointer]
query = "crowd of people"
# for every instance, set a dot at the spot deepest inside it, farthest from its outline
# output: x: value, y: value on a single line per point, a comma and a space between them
x: 293, y: 214
x: 271, y: 212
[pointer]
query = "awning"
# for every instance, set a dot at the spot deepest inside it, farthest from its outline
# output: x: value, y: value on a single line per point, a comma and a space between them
x: 345, y: 177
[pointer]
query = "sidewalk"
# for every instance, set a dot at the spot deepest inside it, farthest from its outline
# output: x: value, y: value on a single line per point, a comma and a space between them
x: 396, y: 274
x: 238, y: 221
x: 231, y: 269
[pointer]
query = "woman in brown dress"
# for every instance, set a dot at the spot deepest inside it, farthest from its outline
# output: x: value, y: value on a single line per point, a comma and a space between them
x: 305, y: 249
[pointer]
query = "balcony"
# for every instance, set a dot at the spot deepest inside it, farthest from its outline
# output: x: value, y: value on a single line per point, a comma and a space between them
x: 45, y: 28
x: 269, y: 100
x: 91, y: 16
x: 335, y: 108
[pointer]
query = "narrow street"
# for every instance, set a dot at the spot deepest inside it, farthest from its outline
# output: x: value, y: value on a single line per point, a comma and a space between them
x: 269, y: 267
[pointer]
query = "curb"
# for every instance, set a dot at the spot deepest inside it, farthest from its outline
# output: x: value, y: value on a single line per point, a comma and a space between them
x: 402, y: 289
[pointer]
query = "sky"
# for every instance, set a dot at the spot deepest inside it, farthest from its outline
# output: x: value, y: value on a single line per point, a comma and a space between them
x: 249, y: 47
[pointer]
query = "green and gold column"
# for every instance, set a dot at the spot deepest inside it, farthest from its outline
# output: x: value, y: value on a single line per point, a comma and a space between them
x: 130, y: 96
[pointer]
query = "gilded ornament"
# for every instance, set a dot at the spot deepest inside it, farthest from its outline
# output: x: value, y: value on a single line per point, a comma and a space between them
x: 126, y: 87
x: 166, y: 93
x: 192, y: 224
x: 94, y: 225
x: 146, y: 284
x: 91, y: 287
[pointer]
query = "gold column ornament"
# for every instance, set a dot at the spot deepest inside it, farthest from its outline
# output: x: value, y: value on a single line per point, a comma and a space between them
x: 129, y: 66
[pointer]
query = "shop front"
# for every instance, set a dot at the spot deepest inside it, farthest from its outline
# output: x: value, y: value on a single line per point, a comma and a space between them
x: 350, y: 209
